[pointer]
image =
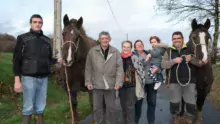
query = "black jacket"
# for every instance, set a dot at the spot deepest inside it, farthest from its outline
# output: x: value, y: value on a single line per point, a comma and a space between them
x: 32, y: 55
x: 183, y: 70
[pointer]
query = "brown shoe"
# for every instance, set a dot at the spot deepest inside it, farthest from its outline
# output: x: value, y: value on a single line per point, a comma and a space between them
x: 189, y: 119
x: 182, y: 120
x: 198, y: 119
x: 175, y: 119
x: 26, y: 119
x: 39, y: 119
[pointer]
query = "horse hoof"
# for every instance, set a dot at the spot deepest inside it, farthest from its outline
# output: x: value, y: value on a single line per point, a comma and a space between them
x: 93, y: 121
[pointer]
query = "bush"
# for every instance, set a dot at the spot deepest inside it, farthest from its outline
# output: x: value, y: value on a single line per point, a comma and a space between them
x: 7, y: 43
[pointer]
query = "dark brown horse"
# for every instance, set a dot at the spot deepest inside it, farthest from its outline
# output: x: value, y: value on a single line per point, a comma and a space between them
x: 200, y: 44
x: 76, y: 45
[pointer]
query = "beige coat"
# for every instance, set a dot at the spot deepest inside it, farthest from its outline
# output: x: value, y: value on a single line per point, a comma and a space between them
x: 101, y: 73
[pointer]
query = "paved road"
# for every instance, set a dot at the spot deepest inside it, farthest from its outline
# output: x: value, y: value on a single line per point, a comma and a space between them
x: 210, y: 115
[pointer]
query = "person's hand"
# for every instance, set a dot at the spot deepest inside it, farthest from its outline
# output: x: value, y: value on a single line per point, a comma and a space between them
x: 59, y: 60
x: 188, y: 58
x: 117, y: 87
x: 90, y: 87
x: 154, y: 70
x: 17, y: 85
x: 148, y: 57
x: 177, y: 60
x: 205, y: 61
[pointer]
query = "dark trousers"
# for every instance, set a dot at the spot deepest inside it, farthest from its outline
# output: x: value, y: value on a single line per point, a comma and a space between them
x: 138, y: 108
x: 151, y: 103
x: 127, y: 100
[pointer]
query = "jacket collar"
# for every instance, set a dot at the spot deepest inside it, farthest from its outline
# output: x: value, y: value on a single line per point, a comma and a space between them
x: 136, y: 53
x: 36, y: 33
x: 183, y: 47
x: 111, y: 49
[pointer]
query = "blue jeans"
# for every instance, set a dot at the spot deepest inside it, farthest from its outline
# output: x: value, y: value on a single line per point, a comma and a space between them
x: 34, y: 94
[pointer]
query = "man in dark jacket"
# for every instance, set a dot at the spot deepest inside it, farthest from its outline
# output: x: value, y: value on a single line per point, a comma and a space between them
x: 182, y: 78
x: 31, y: 61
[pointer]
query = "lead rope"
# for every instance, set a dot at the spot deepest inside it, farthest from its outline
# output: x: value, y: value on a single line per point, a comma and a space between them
x: 68, y: 88
x: 177, y: 75
x: 168, y: 83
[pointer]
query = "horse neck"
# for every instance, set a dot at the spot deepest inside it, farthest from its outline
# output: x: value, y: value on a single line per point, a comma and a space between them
x: 84, y: 47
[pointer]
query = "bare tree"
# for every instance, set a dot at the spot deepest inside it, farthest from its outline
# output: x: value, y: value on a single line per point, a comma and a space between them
x: 181, y: 10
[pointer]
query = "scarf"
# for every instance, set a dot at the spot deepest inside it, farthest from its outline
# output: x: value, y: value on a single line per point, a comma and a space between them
x: 124, y: 55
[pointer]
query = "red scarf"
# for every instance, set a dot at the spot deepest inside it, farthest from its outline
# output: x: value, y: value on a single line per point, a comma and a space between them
x: 124, y: 55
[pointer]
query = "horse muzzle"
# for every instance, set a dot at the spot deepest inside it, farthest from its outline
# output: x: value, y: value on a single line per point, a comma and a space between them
x: 68, y: 64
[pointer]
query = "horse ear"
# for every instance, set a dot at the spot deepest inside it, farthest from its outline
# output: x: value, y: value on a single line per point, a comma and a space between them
x: 66, y: 20
x: 79, y: 23
x: 194, y: 24
x: 207, y: 24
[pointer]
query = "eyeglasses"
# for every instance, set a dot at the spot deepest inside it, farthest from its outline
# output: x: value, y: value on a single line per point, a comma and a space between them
x: 177, y: 38
x: 39, y: 22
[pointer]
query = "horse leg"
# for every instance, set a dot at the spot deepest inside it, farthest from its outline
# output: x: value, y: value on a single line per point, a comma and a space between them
x: 91, y: 104
x: 74, y: 106
x: 201, y: 96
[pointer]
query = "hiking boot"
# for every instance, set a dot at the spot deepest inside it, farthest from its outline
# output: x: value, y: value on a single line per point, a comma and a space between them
x: 182, y: 120
x: 175, y: 119
x: 198, y: 118
x: 152, y: 122
x: 39, y: 119
x: 26, y: 119
x: 189, y: 119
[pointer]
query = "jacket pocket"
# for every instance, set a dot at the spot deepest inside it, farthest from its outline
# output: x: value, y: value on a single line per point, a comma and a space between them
x: 29, y: 66
x: 44, y: 66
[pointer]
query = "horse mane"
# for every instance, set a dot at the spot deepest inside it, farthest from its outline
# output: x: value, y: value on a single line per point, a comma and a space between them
x: 86, y: 42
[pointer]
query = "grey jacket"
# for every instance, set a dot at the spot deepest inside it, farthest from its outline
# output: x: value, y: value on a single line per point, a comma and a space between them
x: 101, y: 73
x: 157, y: 53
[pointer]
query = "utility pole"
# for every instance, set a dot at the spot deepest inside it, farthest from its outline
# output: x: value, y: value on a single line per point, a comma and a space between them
x: 127, y: 35
x: 57, y: 40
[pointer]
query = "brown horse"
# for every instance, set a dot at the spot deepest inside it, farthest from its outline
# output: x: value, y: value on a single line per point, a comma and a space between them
x: 200, y: 44
x: 76, y: 45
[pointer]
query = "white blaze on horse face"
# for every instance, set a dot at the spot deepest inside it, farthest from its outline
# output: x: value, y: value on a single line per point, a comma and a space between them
x: 203, y: 46
x: 69, y: 54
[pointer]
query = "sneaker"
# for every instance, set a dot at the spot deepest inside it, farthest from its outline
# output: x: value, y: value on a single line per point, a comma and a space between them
x: 157, y: 85
x: 175, y: 119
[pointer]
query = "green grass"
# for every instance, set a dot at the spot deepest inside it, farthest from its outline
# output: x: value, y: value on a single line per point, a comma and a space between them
x: 215, y: 92
x: 57, y: 110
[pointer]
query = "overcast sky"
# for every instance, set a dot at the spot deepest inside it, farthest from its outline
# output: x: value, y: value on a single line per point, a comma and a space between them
x: 137, y: 17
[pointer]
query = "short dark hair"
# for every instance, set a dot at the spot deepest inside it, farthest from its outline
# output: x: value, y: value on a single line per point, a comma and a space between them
x: 35, y: 16
x: 156, y: 38
x: 104, y: 33
x: 137, y: 42
x: 178, y: 33
x: 127, y: 41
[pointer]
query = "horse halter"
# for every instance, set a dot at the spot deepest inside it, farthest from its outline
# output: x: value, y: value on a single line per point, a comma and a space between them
x: 195, y: 47
x: 76, y: 45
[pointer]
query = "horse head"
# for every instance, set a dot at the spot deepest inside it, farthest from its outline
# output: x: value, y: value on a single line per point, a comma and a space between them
x: 71, y: 39
x: 200, y: 39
